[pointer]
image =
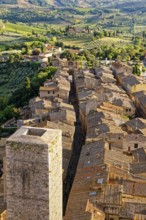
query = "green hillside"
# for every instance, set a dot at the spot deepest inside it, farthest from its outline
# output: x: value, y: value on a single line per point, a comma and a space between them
x: 8, y: 1
x: 12, y: 76
x: 76, y: 3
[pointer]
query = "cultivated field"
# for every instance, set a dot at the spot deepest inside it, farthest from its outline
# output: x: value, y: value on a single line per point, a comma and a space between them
x: 12, y: 76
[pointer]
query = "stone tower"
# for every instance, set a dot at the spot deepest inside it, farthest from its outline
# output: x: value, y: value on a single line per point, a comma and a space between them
x: 34, y: 174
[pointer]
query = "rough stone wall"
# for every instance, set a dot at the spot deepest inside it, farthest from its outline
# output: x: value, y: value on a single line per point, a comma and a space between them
x: 131, y: 144
x: 1, y: 186
x: 34, y: 180
x: 45, y: 94
x: 64, y: 94
x: 2, y: 148
x: 58, y: 116
x: 55, y: 179
x: 27, y: 182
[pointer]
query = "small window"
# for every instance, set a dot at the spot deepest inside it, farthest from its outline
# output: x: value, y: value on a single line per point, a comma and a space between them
x: 135, y: 145
x: 48, y: 92
x: 119, y: 138
x: 126, y: 110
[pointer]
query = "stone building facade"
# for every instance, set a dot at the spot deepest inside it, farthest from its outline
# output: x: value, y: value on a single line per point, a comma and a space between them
x: 34, y: 174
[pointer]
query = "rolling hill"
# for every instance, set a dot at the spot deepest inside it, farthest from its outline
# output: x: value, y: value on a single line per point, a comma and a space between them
x: 70, y: 3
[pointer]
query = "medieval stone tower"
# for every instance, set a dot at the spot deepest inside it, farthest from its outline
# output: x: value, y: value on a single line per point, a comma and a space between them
x: 34, y: 174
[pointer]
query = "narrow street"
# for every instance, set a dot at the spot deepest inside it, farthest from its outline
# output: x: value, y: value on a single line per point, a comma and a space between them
x: 79, y: 140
